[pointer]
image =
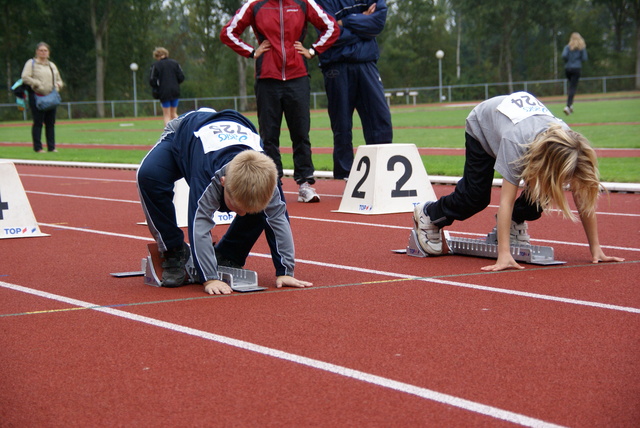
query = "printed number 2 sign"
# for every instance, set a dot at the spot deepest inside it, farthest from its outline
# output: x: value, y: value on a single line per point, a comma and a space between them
x: 386, y: 178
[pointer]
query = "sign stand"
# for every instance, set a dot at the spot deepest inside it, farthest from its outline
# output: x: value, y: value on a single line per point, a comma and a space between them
x: 16, y: 216
x: 385, y: 179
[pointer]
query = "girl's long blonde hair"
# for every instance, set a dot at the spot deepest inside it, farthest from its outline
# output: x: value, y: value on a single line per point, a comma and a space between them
x: 557, y: 158
x: 576, y: 42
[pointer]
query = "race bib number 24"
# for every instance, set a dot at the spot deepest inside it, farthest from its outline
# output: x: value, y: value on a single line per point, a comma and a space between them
x: 521, y: 105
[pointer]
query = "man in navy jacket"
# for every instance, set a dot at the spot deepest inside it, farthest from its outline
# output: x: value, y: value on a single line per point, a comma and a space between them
x: 352, y: 80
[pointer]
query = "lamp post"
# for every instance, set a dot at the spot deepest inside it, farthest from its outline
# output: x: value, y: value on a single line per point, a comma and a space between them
x: 440, y: 55
x: 134, y: 68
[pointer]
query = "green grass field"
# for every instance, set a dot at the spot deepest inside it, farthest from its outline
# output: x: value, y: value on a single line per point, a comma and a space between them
x: 611, y: 121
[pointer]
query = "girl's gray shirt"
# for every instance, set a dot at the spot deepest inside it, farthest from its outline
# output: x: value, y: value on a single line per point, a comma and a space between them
x: 505, y: 125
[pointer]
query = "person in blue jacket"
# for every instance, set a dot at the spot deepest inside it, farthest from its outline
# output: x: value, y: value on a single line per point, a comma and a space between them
x: 220, y: 156
x: 352, y: 80
x: 573, y: 54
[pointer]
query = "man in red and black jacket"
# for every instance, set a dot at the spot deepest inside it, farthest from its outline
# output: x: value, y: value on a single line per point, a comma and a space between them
x: 282, y: 80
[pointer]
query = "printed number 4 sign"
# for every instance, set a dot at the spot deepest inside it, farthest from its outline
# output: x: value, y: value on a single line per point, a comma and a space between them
x: 386, y: 178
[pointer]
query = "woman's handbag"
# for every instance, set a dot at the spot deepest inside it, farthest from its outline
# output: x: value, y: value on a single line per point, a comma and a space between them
x: 49, y: 101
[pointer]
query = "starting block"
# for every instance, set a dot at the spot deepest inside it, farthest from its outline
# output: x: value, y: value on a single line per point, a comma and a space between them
x: 531, y: 254
x: 385, y: 179
x: 241, y: 280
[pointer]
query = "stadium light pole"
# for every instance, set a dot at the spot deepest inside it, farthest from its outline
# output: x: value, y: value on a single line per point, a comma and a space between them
x: 440, y: 55
x: 134, y: 68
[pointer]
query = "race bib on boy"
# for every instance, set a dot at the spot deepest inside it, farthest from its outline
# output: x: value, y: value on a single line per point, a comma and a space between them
x: 521, y: 105
x: 218, y: 135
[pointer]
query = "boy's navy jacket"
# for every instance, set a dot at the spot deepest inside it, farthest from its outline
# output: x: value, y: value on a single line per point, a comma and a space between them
x: 188, y: 148
x: 357, y: 41
x: 202, y: 171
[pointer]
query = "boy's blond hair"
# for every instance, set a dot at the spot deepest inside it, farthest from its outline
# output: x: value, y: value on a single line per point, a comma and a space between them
x: 160, y: 52
x: 556, y: 158
x: 250, y: 180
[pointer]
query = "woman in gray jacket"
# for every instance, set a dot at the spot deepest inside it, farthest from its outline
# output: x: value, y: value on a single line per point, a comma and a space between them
x: 574, y: 54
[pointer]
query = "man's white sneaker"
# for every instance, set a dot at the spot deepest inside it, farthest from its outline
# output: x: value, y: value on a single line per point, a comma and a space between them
x: 429, y: 237
x: 306, y: 193
x: 567, y: 110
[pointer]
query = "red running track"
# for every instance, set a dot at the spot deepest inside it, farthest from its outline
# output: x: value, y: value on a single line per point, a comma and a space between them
x: 380, y: 340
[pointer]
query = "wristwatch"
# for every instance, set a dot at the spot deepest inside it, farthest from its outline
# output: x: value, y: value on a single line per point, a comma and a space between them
x: 312, y: 52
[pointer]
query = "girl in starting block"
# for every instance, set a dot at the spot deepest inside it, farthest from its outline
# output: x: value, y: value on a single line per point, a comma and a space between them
x: 517, y: 136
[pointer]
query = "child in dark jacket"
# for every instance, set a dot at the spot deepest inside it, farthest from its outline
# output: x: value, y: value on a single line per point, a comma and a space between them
x: 220, y: 157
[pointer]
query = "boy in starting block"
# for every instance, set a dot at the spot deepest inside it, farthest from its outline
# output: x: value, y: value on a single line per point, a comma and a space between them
x: 517, y: 136
x: 219, y: 154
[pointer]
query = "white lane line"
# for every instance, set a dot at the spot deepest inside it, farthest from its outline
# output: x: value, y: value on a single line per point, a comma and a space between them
x: 425, y: 393
x: 354, y: 223
x: 96, y: 198
x: 387, y: 226
x: 472, y: 286
x: 78, y: 178
x: 98, y: 232
x: 292, y: 193
x: 396, y: 275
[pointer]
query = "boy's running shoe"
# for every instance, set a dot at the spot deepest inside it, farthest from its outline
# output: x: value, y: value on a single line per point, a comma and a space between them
x: 174, y: 272
x: 223, y: 261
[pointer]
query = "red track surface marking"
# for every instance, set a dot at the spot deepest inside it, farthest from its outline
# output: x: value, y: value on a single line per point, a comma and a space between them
x: 377, y: 341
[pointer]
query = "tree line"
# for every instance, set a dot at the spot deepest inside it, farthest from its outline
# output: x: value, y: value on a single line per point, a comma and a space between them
x: 93, y: 42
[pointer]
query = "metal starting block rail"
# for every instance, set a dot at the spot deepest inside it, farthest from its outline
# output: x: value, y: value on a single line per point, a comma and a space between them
x: 532, y: 254
x: 241, y: 280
